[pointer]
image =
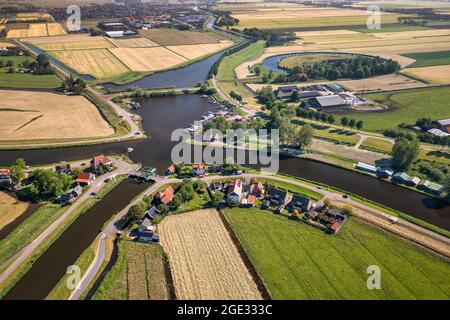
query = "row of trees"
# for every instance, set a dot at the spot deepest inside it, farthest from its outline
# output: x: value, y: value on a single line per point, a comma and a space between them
x: 355, y: 68
x: 272, y: 37
x: 70, y: 84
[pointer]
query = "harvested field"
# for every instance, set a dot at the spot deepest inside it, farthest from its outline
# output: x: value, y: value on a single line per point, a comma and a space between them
x: 204, y: 261
x: 55, y: 29
x: 434, y: 75
x: 147, y: 59
x: 133, y: 43
x: 6, y: 44
x: 172, y: 37
x: 325, y: 33
x: 10, y: 209
x: 101, y: 43
x: 99, y: 63
x: 33, y: 16
x: 63, y: 39
x: 198, y: 50
x: 139, y: 274
x: 31, y: 115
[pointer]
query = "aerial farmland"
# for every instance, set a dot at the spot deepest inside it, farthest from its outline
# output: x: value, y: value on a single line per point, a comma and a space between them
x: 114, y: 186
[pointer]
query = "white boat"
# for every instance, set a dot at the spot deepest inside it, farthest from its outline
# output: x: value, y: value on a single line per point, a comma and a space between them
x: 130, y: 150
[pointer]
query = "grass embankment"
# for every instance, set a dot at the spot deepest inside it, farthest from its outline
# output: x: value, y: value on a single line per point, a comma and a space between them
x: 297, y: 261
x: 28, y: 230
x: 226, y: 69
x: 293, y: 188
x: 121, y: 126
x: 22, y: 80
x: 405, y: 107
x: 139, y: 274
x: 21, y: 270
x: 429, y: 59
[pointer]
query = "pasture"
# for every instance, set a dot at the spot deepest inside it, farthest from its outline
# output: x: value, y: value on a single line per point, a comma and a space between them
x: 10, y: 209
x: 100, y: 63
x: 147, y: 59
x: 405, y: 107
x: 297, y: 261
x: 31, y: 115
x: 433, y: 75
x: 204, y: 261
x: 138, y: 274
x: 172, y: 37
x: 429, y: 59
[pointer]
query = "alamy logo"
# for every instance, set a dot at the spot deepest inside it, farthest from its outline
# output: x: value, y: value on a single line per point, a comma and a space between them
x: 74, y: 20
x: 74, y: 277
x: 374, y: 280
x: 233, y: 147
x: 374, y: 19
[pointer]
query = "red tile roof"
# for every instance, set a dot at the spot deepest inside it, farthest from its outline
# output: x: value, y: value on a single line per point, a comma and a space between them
x: 167, y: 195
x: 335, y: 226
x: 171, y: 168
x: 251, y: 199
x: 100, y: 160
x: 198, y: 166
x: 84, y: 178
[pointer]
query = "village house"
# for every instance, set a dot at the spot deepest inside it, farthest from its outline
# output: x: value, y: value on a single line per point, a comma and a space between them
x: 64, y: 169
x: 256, y: 189
x: 444, y: 125
x: 153, y: 212
x: 85, y: 178
x: 170, y: 170
x: 101, y: 160
x: 198, y: 170
x: 278, y: 197
x: 71, y: 195
x: 211, y: 136
x: 299, y: 203
x: 5, y: 176
x: 146, y: 226
x: 166, y: 196
x: 234, y: 192
x: 249, y: 201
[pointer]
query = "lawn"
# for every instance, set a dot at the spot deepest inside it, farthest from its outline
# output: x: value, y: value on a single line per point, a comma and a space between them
x: 227, y: 66
x: 297, y: 261
x: 139, y: 274
x: 428, y: 59
x: 28, y: 230
x: 170, y: 37
x: 405, y: 107
x: 377, y: 145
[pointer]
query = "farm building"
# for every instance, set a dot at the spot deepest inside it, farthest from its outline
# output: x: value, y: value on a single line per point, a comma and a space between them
x: 63, y: 169
x: 444, y: 125
x: 439, y: 132
x: 309, y: 94
x: 286, y: 91
x: 328, y: 102
x: 366, y: 167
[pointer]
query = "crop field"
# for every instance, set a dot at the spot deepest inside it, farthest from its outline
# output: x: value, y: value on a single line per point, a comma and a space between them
x: 195, y: 51
x: 297, y: 261
x: 204, y: 261
x: 10, y: 209
x: 99, y: 63
x: 133, y: 43
x: 433, y: 75
x: 405, y: 107
x: 37, y: 30
x: 300, y: 61
x: 35, y: 115
x: 33, y: 16
x: 172, y: 37
x: 99, y: 43
x: 429, y: 59
x: 147, y: 59
x: 139, y: 274
x: 63, y: 39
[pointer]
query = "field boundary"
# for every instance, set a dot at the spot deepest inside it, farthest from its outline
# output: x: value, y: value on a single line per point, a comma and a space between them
x: 245, y: 258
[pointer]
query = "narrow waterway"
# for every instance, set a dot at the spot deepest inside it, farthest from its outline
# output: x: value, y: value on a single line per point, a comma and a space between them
x: 52, y: 265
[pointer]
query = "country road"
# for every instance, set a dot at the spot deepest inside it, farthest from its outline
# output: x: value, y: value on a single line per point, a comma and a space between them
x: 14, y: 262
x: 403, y: 228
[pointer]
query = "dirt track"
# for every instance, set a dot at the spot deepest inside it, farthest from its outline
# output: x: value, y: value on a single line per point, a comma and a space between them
x: 204, y: 261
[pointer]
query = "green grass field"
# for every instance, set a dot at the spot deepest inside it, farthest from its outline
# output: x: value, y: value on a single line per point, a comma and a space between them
x: 227, y: 66
x: 405, y: 107
x: 293, y: 189
x: 297, y: 261
x: 18, y: 80
x: 28, y: 230
x: 138, y: 274
x: 428, y: 59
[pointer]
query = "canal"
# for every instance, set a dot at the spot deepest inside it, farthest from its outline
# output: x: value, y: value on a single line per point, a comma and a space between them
x: 52, y: 265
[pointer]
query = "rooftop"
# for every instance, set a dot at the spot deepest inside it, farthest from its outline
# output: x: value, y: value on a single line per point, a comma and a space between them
x: 330, y: 101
